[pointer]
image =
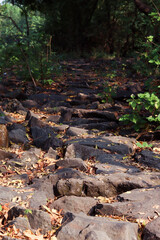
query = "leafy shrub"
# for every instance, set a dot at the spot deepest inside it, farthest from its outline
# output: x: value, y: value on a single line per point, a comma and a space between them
x: 24, y: 46
x: 145, y: 110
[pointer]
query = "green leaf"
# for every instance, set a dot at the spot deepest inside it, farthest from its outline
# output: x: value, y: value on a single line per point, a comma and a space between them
x: 1, y: 208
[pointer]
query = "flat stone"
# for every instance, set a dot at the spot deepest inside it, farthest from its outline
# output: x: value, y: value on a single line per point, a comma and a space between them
x: 72, y: 163
x: 101, y: 127
x: 87, y: 113
x: 118, y: 144
x: 74, y: 204
x: 74, y: 131
x: 81, y: 226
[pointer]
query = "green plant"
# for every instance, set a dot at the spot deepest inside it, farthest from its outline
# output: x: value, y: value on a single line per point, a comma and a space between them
x: 143, y: 145
x: 145, y: 110
x: 24, y: 46
x: 108, y: 93
x: 27, y: 211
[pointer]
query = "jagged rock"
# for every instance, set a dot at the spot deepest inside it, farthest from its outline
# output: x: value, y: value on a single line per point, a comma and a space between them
x: 118, y: 144
x: 87, y: 113
x: 21, y: 223
x: 37, y: 218
x: 30, y: 157
x: 51, y: 154
x: 30, y: 104
x: 72, y: 163
x: 3, y: 136
x: 74, y: 131
x: 8, y: 155
x: 148, y: 158
x: 66, y: 115
x: 64, y: 173
x: 136, y: 204
x: 45, y: 138
x: 114, y: 167
x: 6, y: 194
x: 53, y: 118
x: 18, y: 136
x: 74, y: 204
x: 152, y: 230
x: 101, y: 127
x: 40, y: 220
x: 81, y: 226
x: 69, y: 187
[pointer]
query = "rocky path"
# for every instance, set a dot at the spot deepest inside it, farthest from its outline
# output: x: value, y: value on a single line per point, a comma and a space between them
x: 68, y: 168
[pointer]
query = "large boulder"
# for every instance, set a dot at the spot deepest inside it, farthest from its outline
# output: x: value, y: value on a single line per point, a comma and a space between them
x: 81, y: 226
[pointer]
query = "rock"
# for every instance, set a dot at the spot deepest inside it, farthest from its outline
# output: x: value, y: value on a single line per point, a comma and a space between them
x: 148, y: 158
x: 38, y: 199
x: 15, y: 106
x: 15, y: 212
x: 3, y: 136
x: 33, y: 119
x: 101, y: 127
x: 6, y: 194
x: 30, y: 157
x: 37, y: 218
x: 118, y: 144
x: 72, y: 163
x: 76, y: 150
x: 43, y: 98
x: 114, y: 167
x: 70, y: 187
x: 21, y: 223
x: 64, y: 173
x: 51, y: 154
x: 45, y: 138
x: 74, y: 204
x: 152, y: 230
x: 6, y: 155
x: 40, y: 220
x: 81, y: 226
x: 125, y: 181
x: 18, y: 136
x: 74, y: 131
x: 66, y: 115
x: 53, y: 118
x: 127, y: 90
x: 87, y: 113
x: 44, y: 185
x: 30, y: 104
x: 135, y: 204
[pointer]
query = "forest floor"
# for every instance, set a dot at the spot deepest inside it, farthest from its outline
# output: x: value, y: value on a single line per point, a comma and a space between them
x: 69, y: 169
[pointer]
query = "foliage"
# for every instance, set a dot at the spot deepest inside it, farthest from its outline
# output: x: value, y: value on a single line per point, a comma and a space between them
x: 116, y: 26
x: 143, y: 145
x: 108, y: 93
x: 27, y: 211
x: 24, y: 46
x: 145, y: 110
